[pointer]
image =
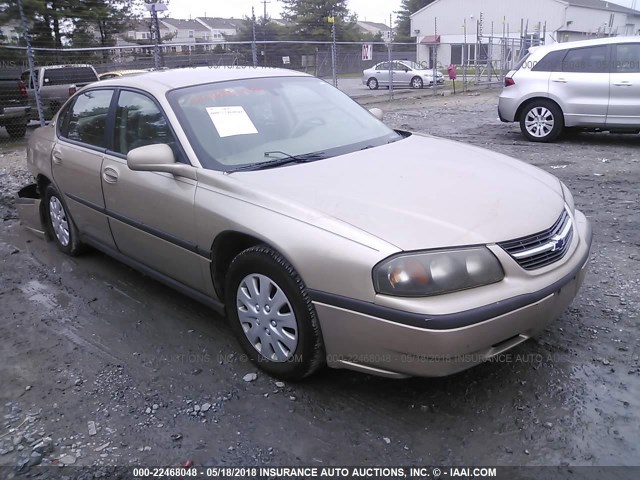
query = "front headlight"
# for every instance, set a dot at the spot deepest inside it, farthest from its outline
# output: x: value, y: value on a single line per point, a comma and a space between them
x: 423, y: 274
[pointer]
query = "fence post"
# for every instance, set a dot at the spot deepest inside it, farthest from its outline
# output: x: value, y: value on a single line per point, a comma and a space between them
x: 435, y: 57
x: 332, y: 19
x: 254, y: 47
x: 32, y: 70
x: 390, y: 48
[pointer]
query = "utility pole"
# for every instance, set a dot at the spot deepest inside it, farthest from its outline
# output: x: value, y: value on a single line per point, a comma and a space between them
x: 32, y: 70
x: 264, y: 33
x: 254, y: 47
x: 154, y: 8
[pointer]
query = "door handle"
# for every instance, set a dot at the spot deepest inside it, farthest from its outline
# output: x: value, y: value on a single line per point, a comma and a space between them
x: 110, y: 175
x: 56, y: 156
x: 559, y: 80
x: 623, y: 84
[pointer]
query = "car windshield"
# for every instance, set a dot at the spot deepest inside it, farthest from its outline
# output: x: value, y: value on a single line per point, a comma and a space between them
x: 241, y: 124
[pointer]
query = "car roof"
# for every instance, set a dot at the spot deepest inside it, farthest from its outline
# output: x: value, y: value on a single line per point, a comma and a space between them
x: 582, y: 43
x: 163, y: 80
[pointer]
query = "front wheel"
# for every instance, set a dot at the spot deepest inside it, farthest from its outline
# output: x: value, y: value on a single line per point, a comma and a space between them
x: 272, y: 315
x: 542, y: 121
x: 417, y: 83
x: 373, y: 84
x: 61, y: 227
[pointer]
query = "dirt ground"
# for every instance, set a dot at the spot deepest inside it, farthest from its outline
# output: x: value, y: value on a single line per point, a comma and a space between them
x: 102, y: 366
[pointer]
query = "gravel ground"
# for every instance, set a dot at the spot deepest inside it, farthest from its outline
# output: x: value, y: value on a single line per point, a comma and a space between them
x: 102, y: 366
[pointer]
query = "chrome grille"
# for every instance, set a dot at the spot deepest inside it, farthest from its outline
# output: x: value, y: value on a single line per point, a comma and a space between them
x: 543, y: 248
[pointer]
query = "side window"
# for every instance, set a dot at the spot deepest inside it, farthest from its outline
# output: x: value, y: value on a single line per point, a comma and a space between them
x: 383, y: 66
x: 551, y: 62
x: 586, y: 60
x: 86, y: 120
x: 628, y: 58
x: 140, y: 122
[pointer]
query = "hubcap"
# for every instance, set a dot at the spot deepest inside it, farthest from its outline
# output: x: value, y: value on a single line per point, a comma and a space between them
x: 417, y: 83
x: 373, y: 83
x: 59, y: 221
x: 267, y: 318
x: 539, y: 122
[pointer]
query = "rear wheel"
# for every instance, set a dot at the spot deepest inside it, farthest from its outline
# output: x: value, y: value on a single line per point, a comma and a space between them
x: 61, y: 227
x: 542, y: 121
x: 272, y: 315
x: 372, y: 83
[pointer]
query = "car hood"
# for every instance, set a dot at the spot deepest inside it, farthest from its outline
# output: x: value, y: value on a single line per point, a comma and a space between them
x: 420, y: 192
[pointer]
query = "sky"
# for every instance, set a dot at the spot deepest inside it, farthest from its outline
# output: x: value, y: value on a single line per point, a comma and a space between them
x: 370, y: 10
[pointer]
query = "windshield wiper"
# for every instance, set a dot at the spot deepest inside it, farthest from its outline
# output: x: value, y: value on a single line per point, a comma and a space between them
x: 288, y: 159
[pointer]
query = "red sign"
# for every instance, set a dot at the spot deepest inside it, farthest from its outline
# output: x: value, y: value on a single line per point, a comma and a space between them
x: 452, y: 72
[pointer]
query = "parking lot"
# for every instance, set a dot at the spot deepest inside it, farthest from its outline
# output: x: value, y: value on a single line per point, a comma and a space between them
x: 117, y: 369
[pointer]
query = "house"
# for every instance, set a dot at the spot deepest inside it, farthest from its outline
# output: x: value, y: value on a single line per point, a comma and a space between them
x: 220, y: 28
x: 187, y: 33
x: 10, y: 32
x: 468, y: 31
x: 374, y: 28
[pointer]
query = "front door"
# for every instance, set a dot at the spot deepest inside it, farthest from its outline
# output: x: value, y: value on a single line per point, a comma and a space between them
x: 624, y: 101
x: 77, y: 160
x: 151, y: 213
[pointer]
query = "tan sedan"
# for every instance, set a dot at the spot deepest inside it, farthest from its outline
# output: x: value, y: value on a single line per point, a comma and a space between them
x: 324, y: 236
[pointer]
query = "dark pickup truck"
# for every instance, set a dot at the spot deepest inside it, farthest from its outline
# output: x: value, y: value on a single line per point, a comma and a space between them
x: 14, y: 106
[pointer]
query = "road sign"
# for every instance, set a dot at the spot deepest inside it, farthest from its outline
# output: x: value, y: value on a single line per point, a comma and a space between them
x: 367, y: 52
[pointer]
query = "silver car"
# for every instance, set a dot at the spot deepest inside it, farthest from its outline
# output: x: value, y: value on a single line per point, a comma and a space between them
x: 591, y: 85
x: 405, y: 74
x: 323, y: 235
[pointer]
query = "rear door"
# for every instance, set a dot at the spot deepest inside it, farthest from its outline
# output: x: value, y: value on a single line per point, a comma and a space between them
x: 77, y: 160
x: 151, y: 213
x: 582, y: 87
x: 624, y: 102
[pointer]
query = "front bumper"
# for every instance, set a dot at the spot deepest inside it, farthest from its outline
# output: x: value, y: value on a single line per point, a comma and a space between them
x: 397, y: 346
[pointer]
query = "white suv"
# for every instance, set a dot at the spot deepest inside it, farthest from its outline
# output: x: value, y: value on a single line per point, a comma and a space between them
x: 592, y: 84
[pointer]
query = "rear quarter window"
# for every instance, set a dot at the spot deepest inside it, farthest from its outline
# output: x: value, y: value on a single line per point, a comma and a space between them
x: 551, y: 62
x: 69, y: 75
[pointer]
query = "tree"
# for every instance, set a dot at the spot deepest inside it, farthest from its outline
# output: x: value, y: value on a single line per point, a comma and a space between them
x: 403, y: 22
x: 266, y: 30
x: 310, y: 19
x: 97, y: 22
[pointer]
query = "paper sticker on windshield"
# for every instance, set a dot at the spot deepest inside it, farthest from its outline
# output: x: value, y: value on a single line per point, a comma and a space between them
x: 231, y: 121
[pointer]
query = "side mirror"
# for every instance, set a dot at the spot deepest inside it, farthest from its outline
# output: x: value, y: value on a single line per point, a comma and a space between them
x: 158, y: 158
x: 378, y: 113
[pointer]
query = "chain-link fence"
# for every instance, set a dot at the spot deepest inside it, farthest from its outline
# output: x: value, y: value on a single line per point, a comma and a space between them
x: 34, y: 91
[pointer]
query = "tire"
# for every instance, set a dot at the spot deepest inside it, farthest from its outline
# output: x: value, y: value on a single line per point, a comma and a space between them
x: 17, y: 130
x: 417, y: 83
x: 288, y: 343
x: 372, y: 83
x: 542, y: 121
x: 59, y: 223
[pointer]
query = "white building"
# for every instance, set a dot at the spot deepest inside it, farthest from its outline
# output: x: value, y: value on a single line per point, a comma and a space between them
x: 440, y: 27
x: 220, y: 28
